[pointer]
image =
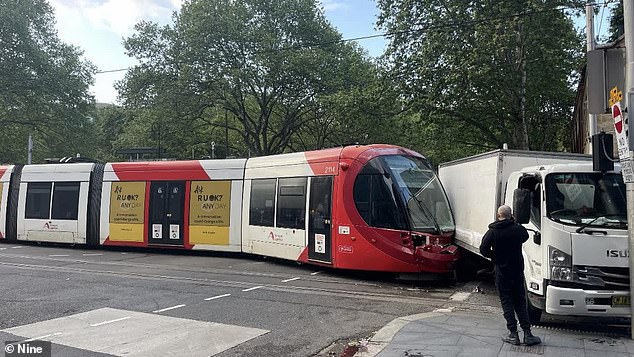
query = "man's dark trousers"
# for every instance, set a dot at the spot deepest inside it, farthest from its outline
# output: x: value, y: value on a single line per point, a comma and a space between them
x: 513, y: 299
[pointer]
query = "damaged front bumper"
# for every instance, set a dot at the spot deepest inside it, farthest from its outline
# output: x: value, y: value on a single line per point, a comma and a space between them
x: 435, y: 258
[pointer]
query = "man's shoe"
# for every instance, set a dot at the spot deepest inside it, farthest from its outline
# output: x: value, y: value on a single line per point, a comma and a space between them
x: 513, y: 338
x: 530, y: 339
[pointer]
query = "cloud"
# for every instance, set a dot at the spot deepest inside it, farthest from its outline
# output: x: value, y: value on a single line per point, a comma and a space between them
x: 334, y: 5
x: 177, y: 4
x: 117, y: 16
x: 97, y: 26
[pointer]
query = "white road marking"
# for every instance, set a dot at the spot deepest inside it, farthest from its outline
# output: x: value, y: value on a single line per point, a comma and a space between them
x: 291, y: 279
x: 459, y: 296
x: 91, y: 254
x: 315, y: 273
x: 217, y: 297
x: 253, y: 288
x: 3, y: 248
x: 169, y: 308
x: 124, y: 253
x: 444, y: 310
x: 137, y: 336
x: 16, y: 247
x: 109, y: 322
x: 59, y: 255
x: 42, y: 337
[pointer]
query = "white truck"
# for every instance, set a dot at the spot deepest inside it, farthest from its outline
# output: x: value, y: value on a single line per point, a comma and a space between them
x: 576, y: 258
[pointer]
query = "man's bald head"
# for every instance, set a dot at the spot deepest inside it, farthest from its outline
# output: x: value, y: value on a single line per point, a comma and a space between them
x: 504, y: 212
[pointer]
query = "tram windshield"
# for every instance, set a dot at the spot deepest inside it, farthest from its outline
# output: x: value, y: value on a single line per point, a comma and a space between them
x: 402, y: 192
x: 422, y: 193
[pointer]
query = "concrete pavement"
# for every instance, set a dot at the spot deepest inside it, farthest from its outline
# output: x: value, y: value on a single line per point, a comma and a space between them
x: 446, y: 333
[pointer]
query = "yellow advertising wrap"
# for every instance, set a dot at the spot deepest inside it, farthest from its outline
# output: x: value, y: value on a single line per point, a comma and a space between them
x: 126, y: 232
x: 209, y: 212
x: 127, y: 209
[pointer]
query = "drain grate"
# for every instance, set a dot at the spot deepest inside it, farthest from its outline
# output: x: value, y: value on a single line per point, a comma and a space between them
x: 535, y: 349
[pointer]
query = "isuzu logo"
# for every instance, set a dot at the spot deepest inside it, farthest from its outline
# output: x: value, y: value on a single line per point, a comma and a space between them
x: 616, y: 253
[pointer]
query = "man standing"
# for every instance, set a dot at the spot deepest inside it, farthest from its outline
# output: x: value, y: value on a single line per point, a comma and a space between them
x: 503, y: 244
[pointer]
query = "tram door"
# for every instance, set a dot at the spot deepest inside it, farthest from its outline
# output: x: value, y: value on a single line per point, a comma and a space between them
x: 167, y: 202
x: 319, y: 223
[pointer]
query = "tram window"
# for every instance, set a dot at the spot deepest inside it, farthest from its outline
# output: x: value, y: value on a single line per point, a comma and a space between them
x: 375, y: 203
x: 291, y: 203
x: 38, y: 200
x: 65, y: 200
x: 362, y: 196
x: 262, y: 207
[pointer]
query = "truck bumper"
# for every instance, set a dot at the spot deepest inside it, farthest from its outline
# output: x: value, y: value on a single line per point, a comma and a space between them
x: 567, y: 301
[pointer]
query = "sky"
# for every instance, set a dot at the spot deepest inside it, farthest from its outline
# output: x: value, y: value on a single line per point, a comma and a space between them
x: 98, y: 28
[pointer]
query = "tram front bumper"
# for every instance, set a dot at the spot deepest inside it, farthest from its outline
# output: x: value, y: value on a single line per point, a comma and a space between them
x: 437, y: 258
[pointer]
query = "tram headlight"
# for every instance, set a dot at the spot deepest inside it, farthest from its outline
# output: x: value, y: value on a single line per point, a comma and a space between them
x: 560, y: 265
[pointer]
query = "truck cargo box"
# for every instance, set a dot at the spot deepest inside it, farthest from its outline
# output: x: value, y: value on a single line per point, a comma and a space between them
x: 476, y: 186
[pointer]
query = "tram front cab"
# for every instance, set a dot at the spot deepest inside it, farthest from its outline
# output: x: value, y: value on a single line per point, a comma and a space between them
x: 403, y: 212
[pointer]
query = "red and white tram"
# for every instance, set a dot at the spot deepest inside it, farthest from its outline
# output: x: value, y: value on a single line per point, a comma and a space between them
x: 371, y: 207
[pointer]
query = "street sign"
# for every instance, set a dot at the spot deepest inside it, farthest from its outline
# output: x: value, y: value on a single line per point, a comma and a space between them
x: 621, y: 129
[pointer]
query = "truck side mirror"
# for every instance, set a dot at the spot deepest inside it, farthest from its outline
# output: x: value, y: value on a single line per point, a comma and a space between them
x: 537, y: 237
x: 522, y: 205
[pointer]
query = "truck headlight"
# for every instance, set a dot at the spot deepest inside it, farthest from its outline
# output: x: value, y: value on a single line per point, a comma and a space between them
x: 560, y: 265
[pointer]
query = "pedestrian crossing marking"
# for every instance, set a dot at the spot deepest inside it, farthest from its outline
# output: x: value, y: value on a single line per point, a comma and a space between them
x: 131, y: 333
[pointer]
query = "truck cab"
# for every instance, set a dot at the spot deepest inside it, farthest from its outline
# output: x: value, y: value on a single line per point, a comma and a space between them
x: 576, y: 258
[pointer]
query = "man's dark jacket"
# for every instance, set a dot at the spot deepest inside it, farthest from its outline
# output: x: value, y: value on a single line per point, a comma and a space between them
x: 503, y: 244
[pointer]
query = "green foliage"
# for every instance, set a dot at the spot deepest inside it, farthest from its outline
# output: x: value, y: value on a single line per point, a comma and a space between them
x: 43, y: 86
x: 617, y: 26
x: 277, y: 68
x: 477, y: 74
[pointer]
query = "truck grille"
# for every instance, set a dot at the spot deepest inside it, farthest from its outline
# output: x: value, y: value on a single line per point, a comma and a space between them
x: 608, y: 278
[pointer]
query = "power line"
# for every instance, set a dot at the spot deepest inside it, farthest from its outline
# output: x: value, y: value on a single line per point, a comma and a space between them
x: 394, y: 33
x: 113, y: 70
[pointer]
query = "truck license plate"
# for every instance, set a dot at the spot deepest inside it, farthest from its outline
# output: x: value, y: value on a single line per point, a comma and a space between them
x: 621, y: 300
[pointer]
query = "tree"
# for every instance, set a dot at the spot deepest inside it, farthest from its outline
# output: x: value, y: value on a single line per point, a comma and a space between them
x: 275, y: 66
x: 43, y: 85
x: 487, y: 72
x: 617, y: 26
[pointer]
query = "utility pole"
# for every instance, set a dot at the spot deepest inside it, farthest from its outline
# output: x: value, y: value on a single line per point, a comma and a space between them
x: 226, y: 135
x: 592, y: 118
x: 628, y: 19
x: 29, y: 154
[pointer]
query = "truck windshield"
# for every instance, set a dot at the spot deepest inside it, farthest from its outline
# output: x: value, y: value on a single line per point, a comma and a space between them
x: 592, y: 199
x: 426, y: 202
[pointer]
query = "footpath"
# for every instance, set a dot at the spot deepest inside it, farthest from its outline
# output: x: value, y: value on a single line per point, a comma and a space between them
x: 466, y: 333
